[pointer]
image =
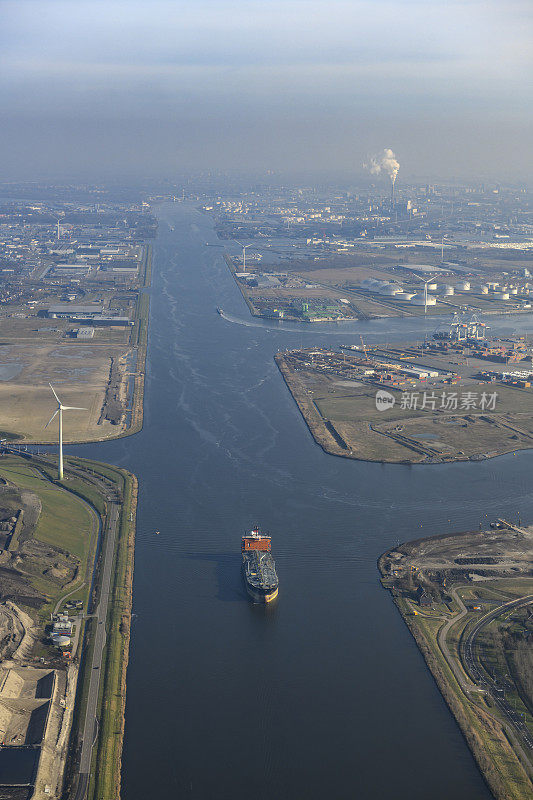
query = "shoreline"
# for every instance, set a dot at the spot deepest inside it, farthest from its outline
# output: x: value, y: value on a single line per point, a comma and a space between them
x: 496, y: 749
x: 112, y: 705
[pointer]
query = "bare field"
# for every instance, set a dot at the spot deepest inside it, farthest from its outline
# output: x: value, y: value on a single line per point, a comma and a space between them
x: 344, y: 421
x: 79, y: 372
x: 342, y: 276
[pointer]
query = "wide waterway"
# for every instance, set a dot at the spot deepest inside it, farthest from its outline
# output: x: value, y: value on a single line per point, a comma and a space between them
x: 324, y: 694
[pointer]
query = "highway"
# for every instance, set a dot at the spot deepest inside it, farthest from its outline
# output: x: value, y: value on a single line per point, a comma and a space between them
x: 467, y: 652
x: 89, y: 726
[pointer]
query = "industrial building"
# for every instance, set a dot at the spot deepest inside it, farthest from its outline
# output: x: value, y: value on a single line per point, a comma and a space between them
x: 68, y: 311
x: 93, y: 315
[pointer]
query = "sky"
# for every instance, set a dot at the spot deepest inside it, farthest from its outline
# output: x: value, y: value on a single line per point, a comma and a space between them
x: 126, y: 90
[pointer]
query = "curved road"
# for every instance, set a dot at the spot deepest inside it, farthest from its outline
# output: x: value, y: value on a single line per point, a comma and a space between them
x: 468, y: 658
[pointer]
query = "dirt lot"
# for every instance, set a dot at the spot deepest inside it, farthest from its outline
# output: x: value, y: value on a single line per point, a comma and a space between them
x: 79, y: 373
x: 498, y: 552
x: 344, y: 420
x: 24, y: 702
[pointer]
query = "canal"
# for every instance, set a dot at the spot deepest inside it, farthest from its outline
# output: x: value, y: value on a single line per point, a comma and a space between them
x: 324, y: 694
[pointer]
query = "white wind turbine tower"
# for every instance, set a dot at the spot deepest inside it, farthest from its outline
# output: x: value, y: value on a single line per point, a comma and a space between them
x: 244, y: 246
x: 59, y: 410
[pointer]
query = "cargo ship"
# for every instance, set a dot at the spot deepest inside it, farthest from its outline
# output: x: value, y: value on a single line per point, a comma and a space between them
x: 258, y: 567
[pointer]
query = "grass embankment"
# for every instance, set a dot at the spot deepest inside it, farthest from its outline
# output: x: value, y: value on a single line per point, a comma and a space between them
x: 105, y: 781
x: 65, y: 522
x: 147, y: 264
x: 483, y: 732
x: 140, y: 338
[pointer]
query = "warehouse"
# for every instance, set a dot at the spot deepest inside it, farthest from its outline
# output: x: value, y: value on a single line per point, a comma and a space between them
x: 68, y: 311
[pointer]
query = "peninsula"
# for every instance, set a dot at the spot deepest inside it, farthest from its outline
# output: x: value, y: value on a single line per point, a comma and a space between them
x: 456, y: 397
x: 467, y: 600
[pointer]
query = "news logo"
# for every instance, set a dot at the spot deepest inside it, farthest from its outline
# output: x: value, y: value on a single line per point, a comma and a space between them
x: 384, y: 400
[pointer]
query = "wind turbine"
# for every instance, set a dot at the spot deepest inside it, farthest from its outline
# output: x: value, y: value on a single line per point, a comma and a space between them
x: 244, y: 246
x: 58, y: 225
x: 429, y: 280
x: 59, y: 410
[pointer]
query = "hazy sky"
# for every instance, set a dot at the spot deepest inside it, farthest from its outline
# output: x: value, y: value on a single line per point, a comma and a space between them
x: 105, y: 89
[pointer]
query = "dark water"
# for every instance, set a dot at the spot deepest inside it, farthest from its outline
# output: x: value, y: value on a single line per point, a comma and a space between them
x: 18, y: 765
x: 325, y: 694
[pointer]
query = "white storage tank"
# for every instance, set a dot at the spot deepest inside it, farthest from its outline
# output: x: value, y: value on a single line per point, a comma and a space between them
x: 463, y: 286
x: 61, y: 641
x: 432, y: 287
x: 484, y: 290
x: 390, y: 289
x: 514, y: 291
x: 418, y: 300
x: 447, y: 291
x: 501, y: 295
x: 404, y: 296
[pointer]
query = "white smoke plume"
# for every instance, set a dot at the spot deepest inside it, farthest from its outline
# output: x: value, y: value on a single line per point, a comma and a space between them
x: 386, y: 162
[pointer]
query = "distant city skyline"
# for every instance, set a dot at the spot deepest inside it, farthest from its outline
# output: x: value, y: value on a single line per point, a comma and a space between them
x: 132, y: 90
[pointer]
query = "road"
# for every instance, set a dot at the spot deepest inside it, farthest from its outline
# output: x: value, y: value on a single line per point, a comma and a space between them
x: 467, y: 653
x: 443, y: 644
x: 90, y: 731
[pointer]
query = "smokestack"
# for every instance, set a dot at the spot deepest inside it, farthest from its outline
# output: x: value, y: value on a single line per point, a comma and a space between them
x: 386, y: 162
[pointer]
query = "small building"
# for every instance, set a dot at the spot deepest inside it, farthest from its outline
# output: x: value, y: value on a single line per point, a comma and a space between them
x: 423, y: 597
x: 62, y: 628
x: 84, y: 333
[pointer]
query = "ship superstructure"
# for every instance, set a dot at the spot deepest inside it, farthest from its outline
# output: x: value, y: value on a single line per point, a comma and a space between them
x: 258, y: 567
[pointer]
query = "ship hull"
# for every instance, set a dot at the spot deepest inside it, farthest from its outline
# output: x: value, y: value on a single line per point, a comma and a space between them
x: 261, y: 597
x: 258, y: 568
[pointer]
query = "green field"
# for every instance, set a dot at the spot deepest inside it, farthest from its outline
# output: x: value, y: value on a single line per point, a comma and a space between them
x: 65, y: 520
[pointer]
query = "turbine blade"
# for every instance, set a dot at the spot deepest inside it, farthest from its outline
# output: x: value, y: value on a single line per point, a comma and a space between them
x: 73, y: 408
x: 56, y: 412
x: 55, y: 395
